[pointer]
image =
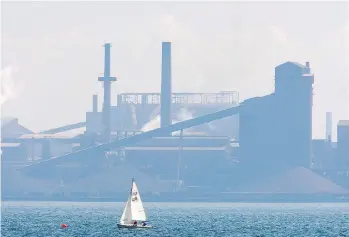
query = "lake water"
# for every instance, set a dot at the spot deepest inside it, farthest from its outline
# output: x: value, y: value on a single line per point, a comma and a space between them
x: 44, y: 219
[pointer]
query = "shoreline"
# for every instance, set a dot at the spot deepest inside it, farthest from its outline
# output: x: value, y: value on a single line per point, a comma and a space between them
x: 181, y: 198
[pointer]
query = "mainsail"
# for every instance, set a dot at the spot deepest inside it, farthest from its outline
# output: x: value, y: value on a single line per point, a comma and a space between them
x: 133, y: 210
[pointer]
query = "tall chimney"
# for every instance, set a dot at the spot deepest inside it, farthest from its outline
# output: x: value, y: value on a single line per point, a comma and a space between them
x: 329, y: 126
x: 166, y: 90
x: 95, y: 103
x: 107, y: 80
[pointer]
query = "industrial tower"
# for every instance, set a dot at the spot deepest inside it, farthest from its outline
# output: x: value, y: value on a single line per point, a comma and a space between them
x: 166, y: 85
x: 107, y: 79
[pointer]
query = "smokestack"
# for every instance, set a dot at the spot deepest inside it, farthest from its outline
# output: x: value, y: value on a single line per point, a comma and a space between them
x: 95, y: 103
x: 106, y: 79
x: 329, y: 126
x: 166, y: 90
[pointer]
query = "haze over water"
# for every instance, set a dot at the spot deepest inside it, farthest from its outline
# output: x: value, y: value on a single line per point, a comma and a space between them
x: 176, y: 219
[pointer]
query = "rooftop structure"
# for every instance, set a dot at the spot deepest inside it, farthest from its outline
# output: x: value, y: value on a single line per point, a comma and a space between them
x: 10, y: 128
x: 343, y: 123
x: 142, y: 111
x: 230, y: 98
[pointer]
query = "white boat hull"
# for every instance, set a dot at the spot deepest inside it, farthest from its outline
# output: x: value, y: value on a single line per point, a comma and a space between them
x: 130, y: 226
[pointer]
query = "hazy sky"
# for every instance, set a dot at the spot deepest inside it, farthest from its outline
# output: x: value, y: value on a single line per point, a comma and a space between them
x: 52, y: 52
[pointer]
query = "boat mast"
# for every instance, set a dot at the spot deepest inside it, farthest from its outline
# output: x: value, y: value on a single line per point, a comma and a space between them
x: 133, y: 179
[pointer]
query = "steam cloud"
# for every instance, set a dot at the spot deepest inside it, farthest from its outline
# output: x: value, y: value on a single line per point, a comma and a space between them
x: 8, y: 85
x: 7, y: 89
x: 183, y: 114
x: 152, y: 124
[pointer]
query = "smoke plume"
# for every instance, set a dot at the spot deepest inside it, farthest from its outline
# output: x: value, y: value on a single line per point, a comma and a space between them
x: 6, y: 89
x: 152, y: 124
x: 182, y: 115
x: 9, y: 87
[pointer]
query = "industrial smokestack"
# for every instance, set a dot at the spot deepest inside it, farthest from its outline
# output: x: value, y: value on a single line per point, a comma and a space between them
x: 329, y: 126
x: 95, y: 103
x: 166, y: 88
x: 106, y: 79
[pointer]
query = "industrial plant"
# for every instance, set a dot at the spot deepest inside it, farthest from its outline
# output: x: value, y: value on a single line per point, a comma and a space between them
x: 183, y: 146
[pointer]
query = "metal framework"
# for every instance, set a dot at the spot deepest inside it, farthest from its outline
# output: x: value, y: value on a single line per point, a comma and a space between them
x: 223, y: 97
x: 64, y: 128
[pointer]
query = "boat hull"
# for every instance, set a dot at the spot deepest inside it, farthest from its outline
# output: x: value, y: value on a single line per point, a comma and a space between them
x: 130, y: 226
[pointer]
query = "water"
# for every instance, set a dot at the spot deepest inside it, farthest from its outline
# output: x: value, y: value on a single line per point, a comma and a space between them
x: 44, y: 219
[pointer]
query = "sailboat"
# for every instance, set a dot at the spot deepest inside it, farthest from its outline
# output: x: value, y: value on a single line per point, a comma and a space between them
x: 133, y: 215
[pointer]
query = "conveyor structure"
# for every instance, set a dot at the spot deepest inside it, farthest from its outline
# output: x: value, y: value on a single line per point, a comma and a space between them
x: 100, y: 149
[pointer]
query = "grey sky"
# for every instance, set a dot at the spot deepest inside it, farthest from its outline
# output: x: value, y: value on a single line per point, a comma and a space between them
x: 57, y: 51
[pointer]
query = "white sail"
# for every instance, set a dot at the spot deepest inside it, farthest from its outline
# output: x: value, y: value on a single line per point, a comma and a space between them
x: 137, y: 209
x: 126, y: 217
x: 133, y: 210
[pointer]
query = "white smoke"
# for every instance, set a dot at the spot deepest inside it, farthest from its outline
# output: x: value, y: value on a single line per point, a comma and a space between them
x: 152, y: 124
x: 9, y: 88
x: 155, y: 112
x: 182, y: 115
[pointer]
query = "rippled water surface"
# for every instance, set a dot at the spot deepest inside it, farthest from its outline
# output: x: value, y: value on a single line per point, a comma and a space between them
x: 176, y: 219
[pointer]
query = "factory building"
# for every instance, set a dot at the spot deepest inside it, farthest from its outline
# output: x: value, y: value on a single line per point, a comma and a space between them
x: 141, y: 112
x: 10, y: 128
x: 323, y: 151
x: 294, y: 96
x: 205, y: 145
x: 276, y: 130
x: 270, y: 140
x: 13, y: 150
x: 322, y: 154
x: 204, y: 150
x: 198, y: 159
x: 146, y: 111
x: 343, y: 143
